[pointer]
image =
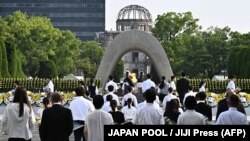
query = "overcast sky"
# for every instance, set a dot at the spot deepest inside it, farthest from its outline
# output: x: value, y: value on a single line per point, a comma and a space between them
x: 232, y: 13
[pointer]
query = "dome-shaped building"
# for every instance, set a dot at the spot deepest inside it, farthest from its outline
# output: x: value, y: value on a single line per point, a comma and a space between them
x: 131, y: 17
x: 134, y: 17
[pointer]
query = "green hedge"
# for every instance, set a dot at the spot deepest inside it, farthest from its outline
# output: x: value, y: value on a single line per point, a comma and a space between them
x: 37, y: 84
x: 220, y: 86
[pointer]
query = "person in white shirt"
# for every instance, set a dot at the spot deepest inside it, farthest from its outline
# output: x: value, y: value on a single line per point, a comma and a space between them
x: 190, y: 93
x: 129, y: 95
x: 147, y: 84
x: 149, y: 115
x: 172, y: 83
x: 190, y: 116
x: 106, y: 106
x: 50, y: 86
x: 95, y: 121
x: 129, y: 111
x: 168, y: 98
x: 231, y: 84
x: 80, y: 108
x: 18, y: 119
x: 110, y: 92
x: 202, y: 86
x: 46, y: 104
x: 163, y: 88
x: 111, y: 82
x: 232, y: 116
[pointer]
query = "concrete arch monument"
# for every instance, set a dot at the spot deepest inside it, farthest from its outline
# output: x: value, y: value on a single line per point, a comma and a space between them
x: 134, y: 40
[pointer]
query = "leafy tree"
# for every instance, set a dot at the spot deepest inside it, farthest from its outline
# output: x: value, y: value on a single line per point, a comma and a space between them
x: 47, y: 69
x: 170, y: 29
x: 66, y: 52
x: 89, y: 59
x: 12, y: 57
x: 4, y: 65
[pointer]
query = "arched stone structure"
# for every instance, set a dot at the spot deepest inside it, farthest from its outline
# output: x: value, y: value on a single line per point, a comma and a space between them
x: 134, y: 40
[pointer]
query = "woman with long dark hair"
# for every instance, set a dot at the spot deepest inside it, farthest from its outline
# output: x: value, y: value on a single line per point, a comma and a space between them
x: 18, y: 119
x: 118, y: 116
x: 163, y: 88
x: 129, y: 110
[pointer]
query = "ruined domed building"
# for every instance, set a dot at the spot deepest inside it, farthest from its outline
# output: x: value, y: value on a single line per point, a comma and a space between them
x: 130, y: 17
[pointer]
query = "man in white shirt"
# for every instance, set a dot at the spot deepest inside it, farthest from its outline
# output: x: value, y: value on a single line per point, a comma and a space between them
x: 232, y: 116
x: 190, y: 116
x: 110, y: 92
x: 111, y: 82
x: 147, y: 84
x: 168, y: 98
x: 231, y: 84
x: 106, y: 106
x: 190, y: 93
x: 172, y: 83
x: 95, y: 121
x: 80, y: 108
x: 50, y: 86
x: 129, y: 95
x: 149, y: 115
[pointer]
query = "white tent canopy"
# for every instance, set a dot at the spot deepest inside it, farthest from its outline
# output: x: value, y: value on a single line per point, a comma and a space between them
x: 219, y: 77
x: 72, y: 76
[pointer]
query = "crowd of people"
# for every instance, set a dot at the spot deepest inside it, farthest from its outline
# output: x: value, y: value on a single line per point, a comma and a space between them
x: 168, y: 103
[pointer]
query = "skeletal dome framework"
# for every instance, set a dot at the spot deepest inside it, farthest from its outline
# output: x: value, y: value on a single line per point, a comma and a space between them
x: 134, y: 17
x: 133, y: 12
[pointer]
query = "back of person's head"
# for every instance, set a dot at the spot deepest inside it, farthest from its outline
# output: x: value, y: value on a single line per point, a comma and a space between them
x: 201, y: 83
x: 190, y: 88
x: 21, y: 97
x: 172, y: 78
x: 183, y: 74
x: 81, y: 83
x: 79, y: 91
x: 163, y: 78
x: 98, y: 101
x: 111, y: 77
x: 110, y: 88
x: 56, y: 97
x: 190, y: 102
x: 50, y: 78
x: 129, y: 102
x: 232, y: 76
x: 201, y: 96
x: 109, y: 97
x: 17, y: 83
x: 46, y: 102
x: 113, y: 105
x: 129, y: 89
x: 92, y: 80
x: 150, y: 95
x: 233, y: 101
x: 170, y: 89
x: 148, y: 76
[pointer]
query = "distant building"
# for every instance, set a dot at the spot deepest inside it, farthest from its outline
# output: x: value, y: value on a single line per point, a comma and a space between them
x: 83, y: 17
x: 130, y: 17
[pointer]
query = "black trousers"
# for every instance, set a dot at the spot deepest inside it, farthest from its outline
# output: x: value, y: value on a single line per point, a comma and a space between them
x: 18, y: 139
x: 78, y: 133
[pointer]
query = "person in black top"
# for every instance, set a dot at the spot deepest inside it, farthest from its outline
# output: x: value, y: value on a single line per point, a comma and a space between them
x: 223, y: 105
x: 57, y: 121
x: 182, y: 87
x: 202, y: 107
x: 92, y: 88
x: 172, y: 111
x: 118, y: 116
